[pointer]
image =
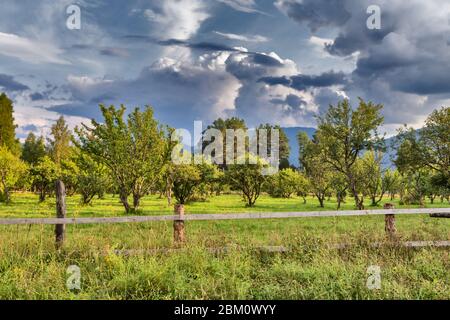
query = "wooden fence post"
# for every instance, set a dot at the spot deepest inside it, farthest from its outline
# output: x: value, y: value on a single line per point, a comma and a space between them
x: 178, y: 225
x: 389, y: 220
x: 60, y: 212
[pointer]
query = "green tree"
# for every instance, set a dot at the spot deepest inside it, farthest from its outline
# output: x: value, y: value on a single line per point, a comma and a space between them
x: 284, y: 184
x: 44, y: 175
x: 11, y: 169
x: 7, y: 126
x: 340, y: 187
x: 222, y: 125
x: 391, y: 182
x: 33, y: 149
x: 284, y: 148
x: 428, y: 147
x: 372, y: 176
x: 59, y: 143
x: 92, y: 178
x: 133, y: 150
x: 186, y: 178
x: 248, y: 178
x: 317, y: 171
x: 343, y: 134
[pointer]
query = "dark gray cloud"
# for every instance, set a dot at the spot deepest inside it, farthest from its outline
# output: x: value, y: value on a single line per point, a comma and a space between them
x: 8, y: 83
x: 30, y: 127
x: 316, y: 14
x: 36, y: 96
x: 257, y: 57
x: 402, y: 65
x: 303, y: 82
x: 291, y: 100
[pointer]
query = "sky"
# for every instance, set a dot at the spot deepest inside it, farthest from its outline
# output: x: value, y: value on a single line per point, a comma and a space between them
x: 267, y: 61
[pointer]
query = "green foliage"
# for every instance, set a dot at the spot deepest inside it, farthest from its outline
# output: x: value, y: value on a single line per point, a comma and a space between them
x: 286, y: 183
x: 370, y: 177
x: 391, y: 182
x: 92, y: 178
x: 428, y: 148
x: 248, y: 178
x: 7, y: 126
x: 283, y: 143
x: 11, y: 169
x: 133, y: 150
x: 44, y: 175
x: 59, y: 143
x: 343, y: 134
x: 212, y: 179
x: 33, y: 149
x: 318, y: 172
x: 222, y: 125
x: 186, y: 178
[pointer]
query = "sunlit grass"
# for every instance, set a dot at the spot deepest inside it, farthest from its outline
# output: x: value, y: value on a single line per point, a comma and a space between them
x: 31, y: 268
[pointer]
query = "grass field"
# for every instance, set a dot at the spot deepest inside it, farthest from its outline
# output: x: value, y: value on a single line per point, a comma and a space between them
x: 30, y: 268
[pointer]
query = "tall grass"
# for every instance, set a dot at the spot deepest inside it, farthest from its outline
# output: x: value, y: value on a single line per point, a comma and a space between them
x: 131, y: 261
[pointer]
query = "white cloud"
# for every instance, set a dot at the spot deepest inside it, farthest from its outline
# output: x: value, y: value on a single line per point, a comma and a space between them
x: 177, y: 19
x: 28, y: 50
x: 246, y: 38
x: 247, y: 6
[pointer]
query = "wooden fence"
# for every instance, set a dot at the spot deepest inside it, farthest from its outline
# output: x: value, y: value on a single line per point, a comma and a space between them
x: 179, y: 217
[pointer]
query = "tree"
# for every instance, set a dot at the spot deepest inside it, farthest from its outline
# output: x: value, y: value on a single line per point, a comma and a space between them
x: 317, y: 171
x: 68, y: 172
x: 284, y: 148
x: 435, y: 137
x: 372, y: 176
x: 7, y: 126
x: 211, y: 179
x: 339, y: 186
x: 44, y: 175
x: 248, y: 178
x: 284, y: 184
x: 303, y: 186
x: 92, y: 178
x: 185, y: 179
x: 416, y: 186
x: 222, y: 125
x: 343, y: 134
x: 11, y: 169
x: 59, y: 144
x: 133, y: 150
x: 391, y: 182
x: 33, y: 149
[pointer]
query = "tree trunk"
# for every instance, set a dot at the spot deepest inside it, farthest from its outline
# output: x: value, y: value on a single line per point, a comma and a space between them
x: 6, y: 192
x: 321, y: 199
x: 136, y: 201
x: 124, y: 200
x: 42, y: 195
x: 60, y: 213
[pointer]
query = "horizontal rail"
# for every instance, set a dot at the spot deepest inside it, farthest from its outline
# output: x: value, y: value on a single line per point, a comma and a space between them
x: 230, y: 216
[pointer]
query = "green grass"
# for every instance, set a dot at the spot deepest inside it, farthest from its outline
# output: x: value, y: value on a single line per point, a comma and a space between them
x: 30, y: 268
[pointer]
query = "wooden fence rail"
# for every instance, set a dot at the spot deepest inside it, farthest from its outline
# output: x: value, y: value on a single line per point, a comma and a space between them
x: 230, y: 216
x: 179, y: 217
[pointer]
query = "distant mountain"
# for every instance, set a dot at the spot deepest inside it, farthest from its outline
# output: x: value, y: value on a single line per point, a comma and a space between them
x: 292, y: 132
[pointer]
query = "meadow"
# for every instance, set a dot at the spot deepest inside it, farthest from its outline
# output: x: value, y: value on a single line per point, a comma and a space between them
x: 134, y: 261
